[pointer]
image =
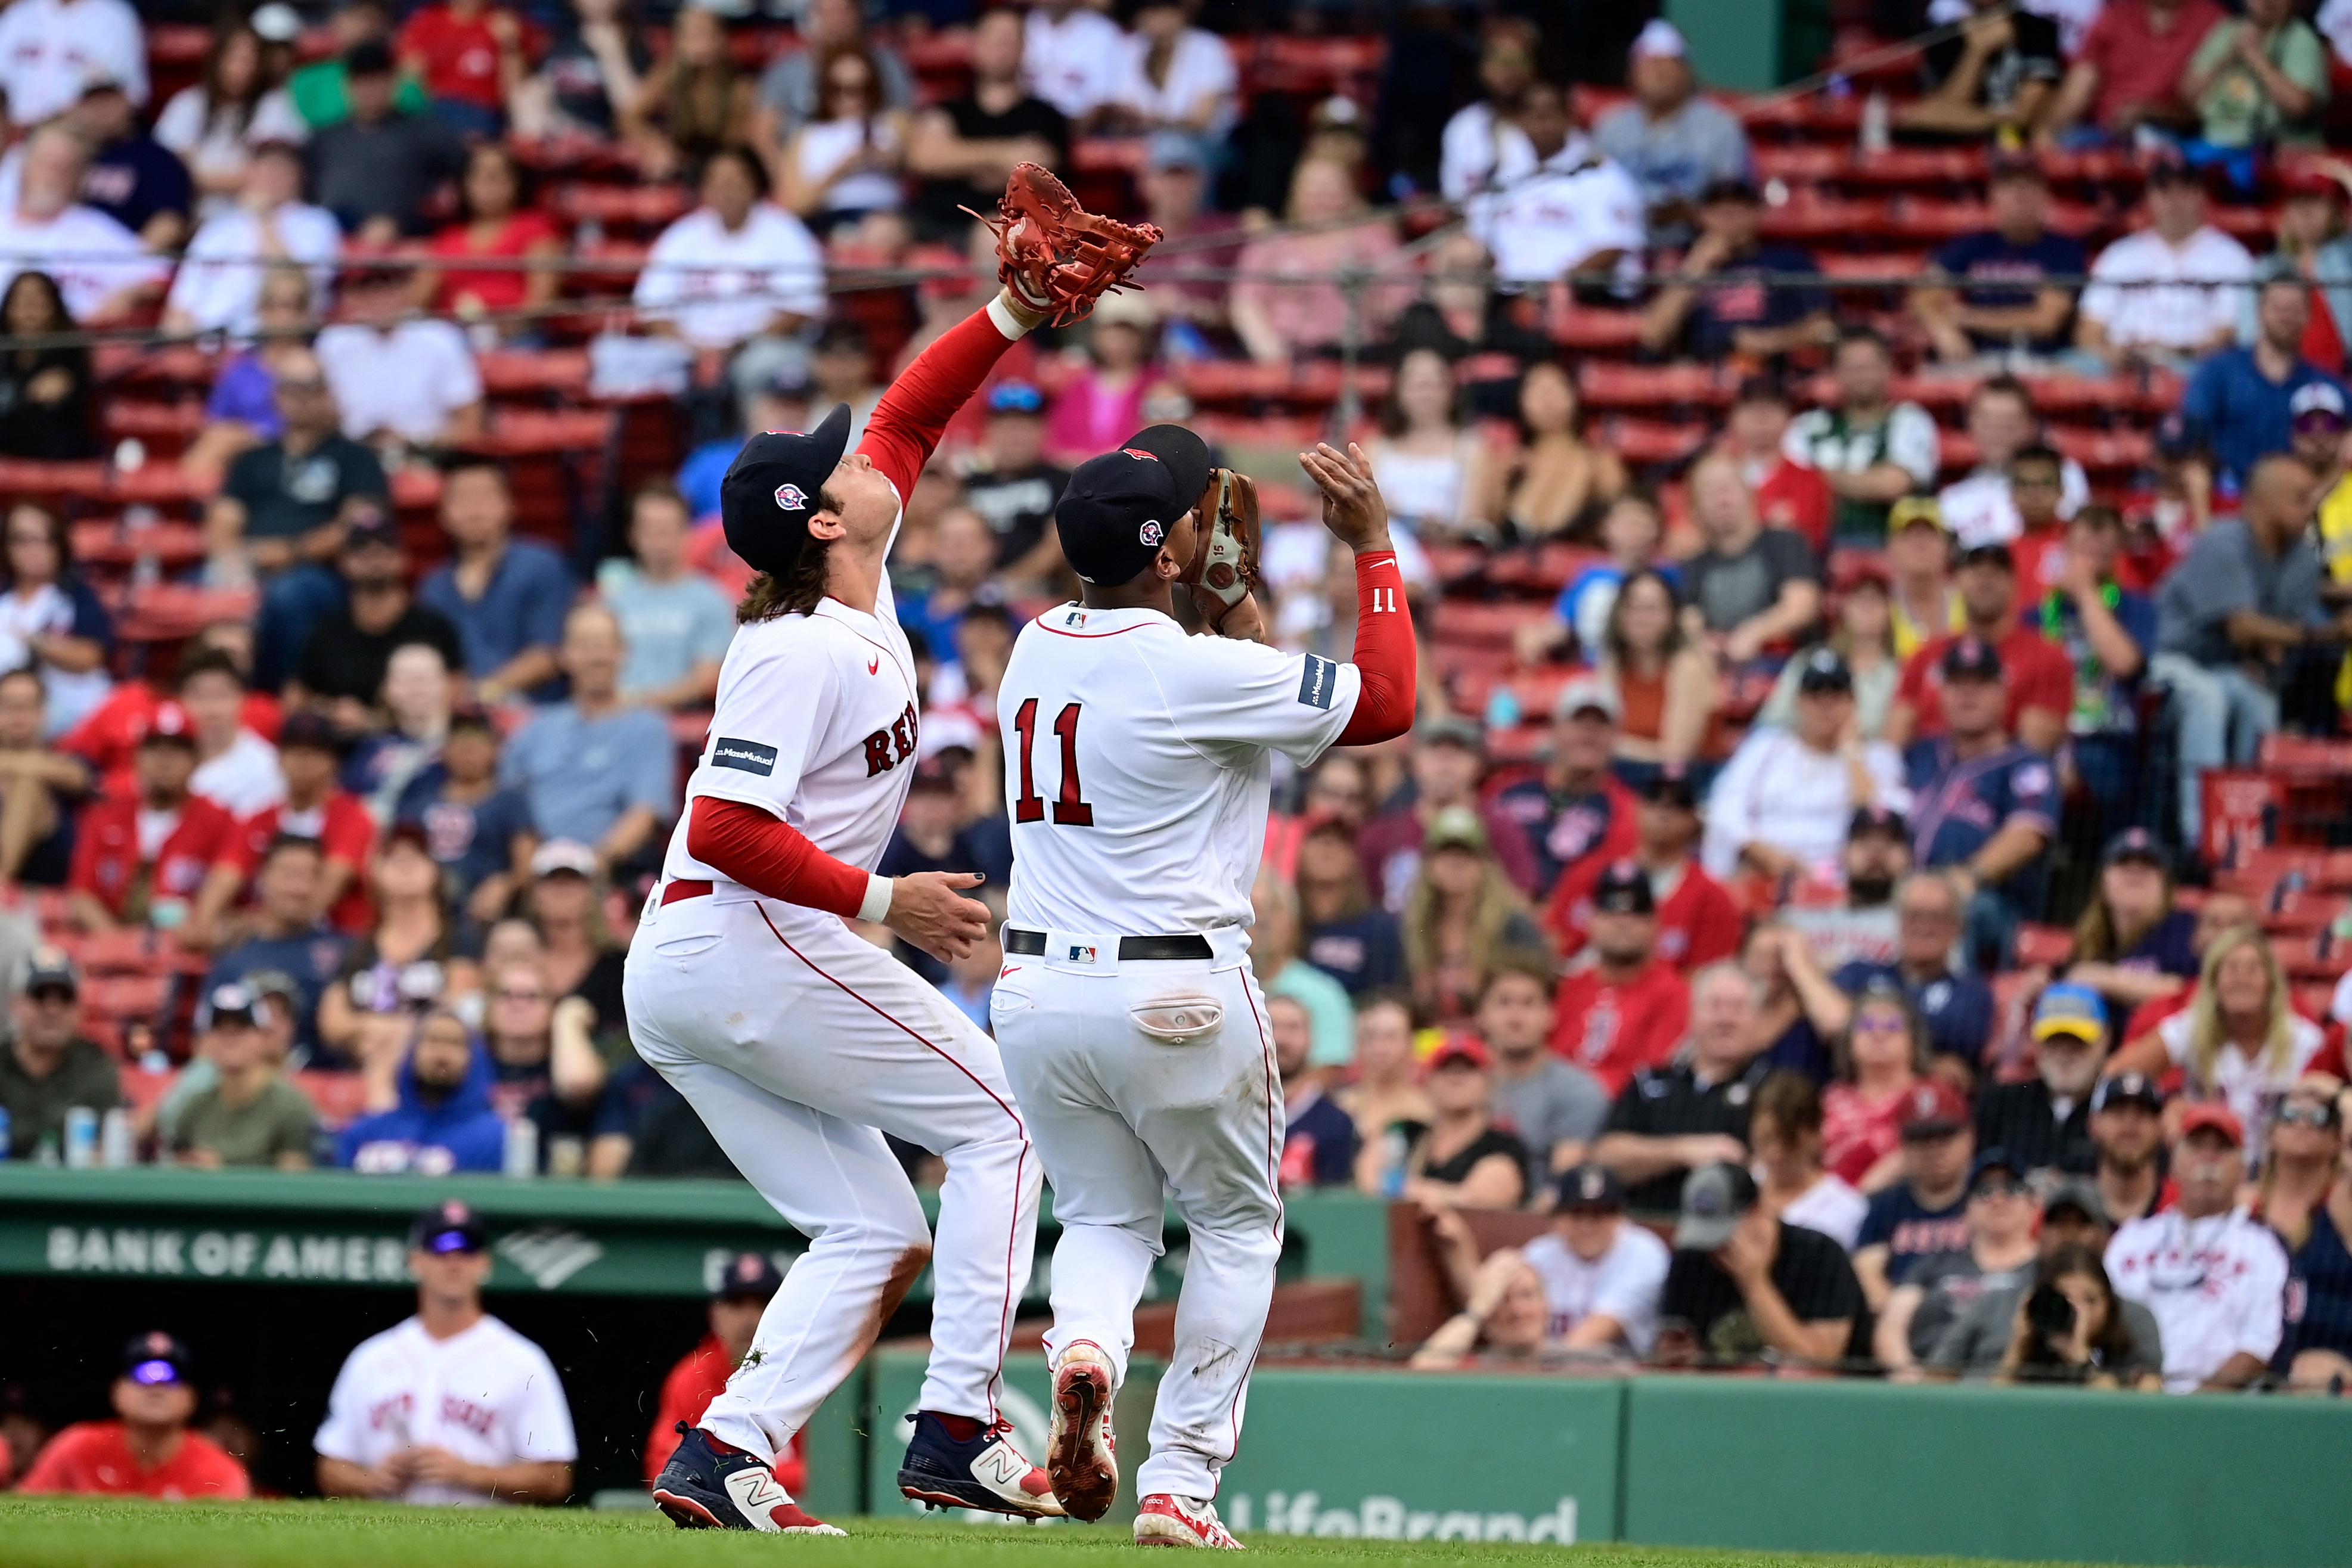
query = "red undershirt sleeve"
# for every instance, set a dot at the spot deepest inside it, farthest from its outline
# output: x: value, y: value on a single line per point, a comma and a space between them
x: 1385, y: 657
x: 769, y: 856
x: 905, y: 427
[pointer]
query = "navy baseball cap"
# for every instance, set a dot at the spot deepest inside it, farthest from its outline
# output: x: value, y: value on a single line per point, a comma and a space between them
x: 770, y: 490
x: 1874, y: 819
x: 1672, y: 786
x: 448, y: 1227
x: 1625, y: 889
x: 155, y: 1357
x: 1589, y: 1186
x: 1998, y: 555
x: 1972, y: 658
x: 2135, y: 845
x: 2128, y: 1088
x: 748, y: 1276
x: 1822, y: 670
x: 1118, y: 507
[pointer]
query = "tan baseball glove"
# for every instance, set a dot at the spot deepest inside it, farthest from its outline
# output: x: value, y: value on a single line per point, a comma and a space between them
x: 1056, y: 256
x: 1225, y: 562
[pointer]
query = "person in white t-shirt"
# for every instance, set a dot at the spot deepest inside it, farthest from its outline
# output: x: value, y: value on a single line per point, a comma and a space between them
x: 1172, y: 77
x: 1575, y: 211
x: 219, y: 285
x: 1978, y: 511
x: 450, y: 1405
x: 1072, y: 56
x: 2214, y: 1276
x: 738, y: 273
x: 1483, y: 137
x: 1783, y: 804
x: 1784, y: 1132
x: 236, y: 769
x: 1601, y: 1275
x: 2170, y: 293
x: 400, y: 375
x: 102, y: 270
x: 217, y: 125
x: 51, y: 49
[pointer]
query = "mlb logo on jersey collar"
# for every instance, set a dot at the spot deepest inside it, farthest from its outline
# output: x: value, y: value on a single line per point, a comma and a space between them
x: 1074, y: 621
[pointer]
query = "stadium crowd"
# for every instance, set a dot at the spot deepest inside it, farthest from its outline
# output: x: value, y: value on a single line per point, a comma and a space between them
x: 1820, y: 881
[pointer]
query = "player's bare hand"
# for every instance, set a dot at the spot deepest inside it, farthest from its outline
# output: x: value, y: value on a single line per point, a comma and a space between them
x: 439, y: 1467
x: 1353, y: 508
x: 1244, y: 622
x: 928, y: 909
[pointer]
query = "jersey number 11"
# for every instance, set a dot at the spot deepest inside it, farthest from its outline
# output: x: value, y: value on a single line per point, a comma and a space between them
x: 1069, y: 812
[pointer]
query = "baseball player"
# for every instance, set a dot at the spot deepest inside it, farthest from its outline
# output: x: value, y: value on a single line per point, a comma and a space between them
x: 1138, y: 768
x: 798, y: 1042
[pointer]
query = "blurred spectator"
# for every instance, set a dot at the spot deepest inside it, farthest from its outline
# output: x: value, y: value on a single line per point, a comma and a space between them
x: 1878, y: 1057
x: 2126, y: 72
x: 1862, y: 925
x: 842, y: 366
x: 1458, y: 1157
x: 410, y: 960
x: 478, y: 830
x: 469, y: 56
x: 1674, y: 142
x: 1554, y: 480
x: 399, y: 377
x: 1671, y: 1120
x: 1386, y: 1090
x: 2234, y: 618
x: 1320, y: 1143
x: 676, y: 623
x: 321, y: 90
x: 1102, y: 404
x: 1346, y: 934
x: 747, y: 1283
x: 1630, y: 531
x: 1481, y: 135
x: 543, y: 1066
x: 1956, y: 1005
x: 50, y: 1067
x: 346, y: 658
x: 1174, y: 76
x: 1983, y: 805
x: 1784, y: 1128
x: 1994, y: 77
x: 1789, y: 494
x: 499, y: 222
x: 40, y: 785
x: 1665, y: 685
x: 2307, y: 1136
x: 1990, y: 297
x: 1626, y: 1010
x: 149, y: 1452
x: 1998, y: 1253
x: 1743, y: 1282
x: 442, y: 1122
x: 1448, y: 760
x: 843, y: 161
x: 2133, y: 944
x: 597, y: 768
x: 286, y: 934
x: 2127, y: 1140
x: 1982, y: 508
x: 1506, y: 1312
x: 1175, y: 184
x: 1073, y: 56
x: 44, y: 391
x: 1782, y: 804
x: 1602, y: 1274
x: 164, y: 856
x: 314, y: 806
x: 1787, y: 1030
x: 1424, y: 454
x: 103, y: 271
x: 736, y: 272
x: 218, y: 289
x: 1923, y: 602
x: 52, y: 48
x: 1697, y: 921
x: 132, y: 178
x: 1556, y: 1109
x: 217, y: 125
x: 1566, y: 211
x: 1273, y: 958
x: 505, y: 596
x: 2073, y: 1234
x: 2240, y: 402
x: 787, y: 89
x: 963, y: 578
x: 1462, y: 317
x: 964, y: 149
x: 1013, y: 487
x: 2037, y: 681
x: 1753, y: 588
x: 1872, y: 449
x: 248, y: 1116
x: 588, y: 80
x: 2258, y: 82
x: 2098, y: 1339
x: 2107, y: 632
x: 778, y: 400
x: 509, y: 1437
x: 1863, y: 637
x: 2168, y: 294
x: 242, y: 409
x: 1461, y: 915
x: 2214, y: 1276
x: 51, y: 621
x: 1277, y: 313
x: 2044, y: 1121
x: 695, y: 105
x: 236, y: 769
x: 1735, y: 310
x: 1925, y: 1212
x: 376, y: 169
x: 419, y: 693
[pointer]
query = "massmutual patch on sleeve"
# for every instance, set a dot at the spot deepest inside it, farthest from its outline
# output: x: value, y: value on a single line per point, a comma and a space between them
x: 1317, y: 682
x: 748, y: 755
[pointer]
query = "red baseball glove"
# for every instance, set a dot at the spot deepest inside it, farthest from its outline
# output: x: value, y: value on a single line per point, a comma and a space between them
x: 1056, y: 256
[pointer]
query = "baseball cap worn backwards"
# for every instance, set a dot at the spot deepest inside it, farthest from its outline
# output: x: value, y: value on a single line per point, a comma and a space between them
x: 1120, y: 506
x: 770, y: 490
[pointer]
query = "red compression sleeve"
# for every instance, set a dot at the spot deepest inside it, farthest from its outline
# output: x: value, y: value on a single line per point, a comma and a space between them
x: 905, y: 427
x: 1385, y: 657
x: 770, y: 856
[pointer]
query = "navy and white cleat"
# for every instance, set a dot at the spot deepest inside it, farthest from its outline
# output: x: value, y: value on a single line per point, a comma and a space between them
x: 986, y: 1472
x: 709, y: 1486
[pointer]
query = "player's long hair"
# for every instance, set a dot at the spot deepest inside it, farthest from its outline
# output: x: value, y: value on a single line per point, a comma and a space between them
x: 793, y: 592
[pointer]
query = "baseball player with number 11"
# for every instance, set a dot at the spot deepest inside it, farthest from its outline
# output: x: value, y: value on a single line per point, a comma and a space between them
x: 1137, y: 770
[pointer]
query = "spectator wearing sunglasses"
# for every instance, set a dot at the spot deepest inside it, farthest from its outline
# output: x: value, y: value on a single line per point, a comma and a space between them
x: 147, y: 1451
x: 2306, y: 1198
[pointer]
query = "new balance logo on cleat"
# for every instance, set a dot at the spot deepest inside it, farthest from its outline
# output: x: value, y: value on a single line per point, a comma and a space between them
x: 1161, y: 1520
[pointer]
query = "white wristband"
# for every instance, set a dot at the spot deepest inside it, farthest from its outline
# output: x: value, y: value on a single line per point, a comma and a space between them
x: 878, y: 899
x: 1007, y: 322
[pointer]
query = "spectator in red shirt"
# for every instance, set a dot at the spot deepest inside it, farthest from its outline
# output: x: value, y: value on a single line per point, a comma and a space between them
x: 1578, y: 813
x: 2126, y: 73
x: 1698, y: 922
x: 497, y: 221
x: 744, y: 1287
x: 469, y: 56
x: 108, y: 737
x: 1877, y: 1060
x: 2037, y: 477
x: 149, y: 1452
x: 2041, y: 680
x: 1789, y: 495
x: 164, y: 856
x: 1628, y: 1010
x: 310, y: 756
x: 1448, y: 757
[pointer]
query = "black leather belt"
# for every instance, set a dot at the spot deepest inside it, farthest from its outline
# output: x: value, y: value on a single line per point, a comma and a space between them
x: 1131, y: 949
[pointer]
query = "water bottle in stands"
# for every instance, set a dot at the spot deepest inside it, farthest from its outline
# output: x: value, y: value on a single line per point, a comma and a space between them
x: 1877, y: 126
x: 139, y: 532
x: 1502, y: 707
x: 81, y: 1138
x: 522, y: 1147
x: 116, y: 1148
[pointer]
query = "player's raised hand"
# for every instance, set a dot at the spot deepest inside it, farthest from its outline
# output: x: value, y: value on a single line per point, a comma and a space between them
x: 1353, y: 509
x: 928, y: 909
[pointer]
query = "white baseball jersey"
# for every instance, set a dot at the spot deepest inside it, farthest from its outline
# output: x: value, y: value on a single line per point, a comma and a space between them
x: 489, y: 1395
x: 1623, y: 1283
x: 1137, y: 767
x: 2217, y: 1286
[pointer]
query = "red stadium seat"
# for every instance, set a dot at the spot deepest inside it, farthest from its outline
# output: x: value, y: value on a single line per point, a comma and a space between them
x: 1909, y: 168
x: 1603, y: 384
x: 1590, y: 330
x: 1644, y: 442
x: 521, y: 372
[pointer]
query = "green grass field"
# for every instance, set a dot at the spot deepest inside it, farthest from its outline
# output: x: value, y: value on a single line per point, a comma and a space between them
x: 62, y: 1533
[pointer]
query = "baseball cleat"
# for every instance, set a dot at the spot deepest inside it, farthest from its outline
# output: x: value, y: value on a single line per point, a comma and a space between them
x: 986, y: 1472
x: 1164, y: 1519
x: 1081, y: 1455
x: 709, y: 1486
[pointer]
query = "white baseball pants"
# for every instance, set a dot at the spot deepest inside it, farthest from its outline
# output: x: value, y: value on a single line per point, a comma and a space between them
x: 1129, y: 1101
x: 795, y: 1040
